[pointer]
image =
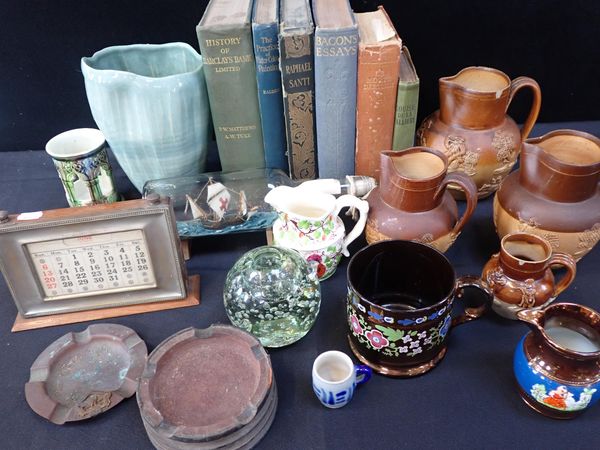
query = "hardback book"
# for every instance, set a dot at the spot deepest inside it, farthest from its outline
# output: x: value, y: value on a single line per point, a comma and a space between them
x: 336, y: 50
x: 407, y: 103
x: 225, y: 38
x: 296, y: 35
x: 265, y: 28
x: 378, y: 71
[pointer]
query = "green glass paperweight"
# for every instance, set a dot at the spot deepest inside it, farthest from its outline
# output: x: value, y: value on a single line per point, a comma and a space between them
x: 273, y: 293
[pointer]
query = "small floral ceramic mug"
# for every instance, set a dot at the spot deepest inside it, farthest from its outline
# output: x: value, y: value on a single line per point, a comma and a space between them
x: 400, y: 297
x: 335, y: 378
x: 81, y: 160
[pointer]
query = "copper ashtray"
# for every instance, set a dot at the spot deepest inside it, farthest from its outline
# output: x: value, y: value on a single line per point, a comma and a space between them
x: 84, y: 374
x: 207, y: 389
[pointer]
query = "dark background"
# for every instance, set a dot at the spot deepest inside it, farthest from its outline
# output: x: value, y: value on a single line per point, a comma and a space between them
x: 42, y: 91
x: 470, y: 401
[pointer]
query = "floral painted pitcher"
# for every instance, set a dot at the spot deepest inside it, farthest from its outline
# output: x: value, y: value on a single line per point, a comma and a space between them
x: 308, y: 223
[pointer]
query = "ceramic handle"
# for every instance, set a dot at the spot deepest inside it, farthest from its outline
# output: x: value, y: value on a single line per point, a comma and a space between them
x: 515, y: 86
x: 470, y: 188
x: 567, y: 261
x: 472, y: 312
x: 363, y: 208
x: 363, y: 374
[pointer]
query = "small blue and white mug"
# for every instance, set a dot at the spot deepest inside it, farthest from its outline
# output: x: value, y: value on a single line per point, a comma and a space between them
x: 335, y: 377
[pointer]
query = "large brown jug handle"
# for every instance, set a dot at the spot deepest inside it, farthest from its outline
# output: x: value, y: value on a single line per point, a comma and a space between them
x: 562, y: 259
x: 515, y: 86
x: 470, y: 188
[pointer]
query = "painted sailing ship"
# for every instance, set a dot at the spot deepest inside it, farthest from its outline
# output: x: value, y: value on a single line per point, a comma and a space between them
x: 217, y: 206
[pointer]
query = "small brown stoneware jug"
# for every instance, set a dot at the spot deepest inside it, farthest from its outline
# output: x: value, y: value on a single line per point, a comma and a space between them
x: 520, y: 275
x: 555, y: 193
x: 557, y: 364
x: 412, y: 202
x: 472, y: 127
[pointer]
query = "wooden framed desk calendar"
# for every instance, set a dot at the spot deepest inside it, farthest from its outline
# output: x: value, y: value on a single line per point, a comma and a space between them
x: 75, y: 264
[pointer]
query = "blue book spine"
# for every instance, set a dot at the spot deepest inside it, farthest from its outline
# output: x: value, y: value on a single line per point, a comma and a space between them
x: 270, y: 101
x: 336, y: 53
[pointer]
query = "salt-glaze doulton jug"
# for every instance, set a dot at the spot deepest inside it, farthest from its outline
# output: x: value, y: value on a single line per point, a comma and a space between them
x: 412, y: 202
x: 555, y: 193
x: 472, y: 127
x: 520, y: 274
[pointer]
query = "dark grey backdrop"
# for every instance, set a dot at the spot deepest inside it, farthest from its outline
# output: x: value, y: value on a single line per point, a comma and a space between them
x: 42, y: 91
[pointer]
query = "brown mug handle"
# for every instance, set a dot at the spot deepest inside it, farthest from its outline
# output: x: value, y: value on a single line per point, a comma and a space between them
x: 470, y: 188
x: 472, y: 312
x: 567, y: 261
x: 515, y: 86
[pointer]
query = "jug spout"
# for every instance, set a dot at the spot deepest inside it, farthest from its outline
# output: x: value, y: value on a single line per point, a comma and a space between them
x: 534, y: 318
x: 475, y: 98
x: 278, y: 198
x: 411, y: 178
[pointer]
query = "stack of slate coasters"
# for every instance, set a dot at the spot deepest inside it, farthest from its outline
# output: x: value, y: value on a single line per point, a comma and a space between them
x: 208, y: 389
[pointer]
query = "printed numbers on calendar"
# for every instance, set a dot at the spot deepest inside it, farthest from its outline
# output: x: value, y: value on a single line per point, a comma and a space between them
x: 92, y: 265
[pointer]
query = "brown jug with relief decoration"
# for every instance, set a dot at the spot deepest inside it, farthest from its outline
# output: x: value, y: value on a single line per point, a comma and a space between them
x: 472, y: 127
x: 520, y: 275
x: 412, y: 201
x: 555, y: 193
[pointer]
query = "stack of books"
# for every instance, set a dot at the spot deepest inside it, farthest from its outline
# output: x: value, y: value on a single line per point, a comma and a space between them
x: 320, y: 98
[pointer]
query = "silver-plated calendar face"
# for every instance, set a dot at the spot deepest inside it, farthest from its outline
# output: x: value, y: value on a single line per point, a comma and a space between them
x: 92, y: 264
x: 91, y: 257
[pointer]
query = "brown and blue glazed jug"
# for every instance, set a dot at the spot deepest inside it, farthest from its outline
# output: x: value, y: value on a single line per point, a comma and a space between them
x: 557, y: 364
x: 555, y: 193
x: 472, y: 127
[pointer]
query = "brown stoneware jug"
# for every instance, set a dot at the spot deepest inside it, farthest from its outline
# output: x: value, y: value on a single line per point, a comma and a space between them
x: 472, y: 127
x: 412, y: 202
x: 520, y: 275
x: 555, y: 193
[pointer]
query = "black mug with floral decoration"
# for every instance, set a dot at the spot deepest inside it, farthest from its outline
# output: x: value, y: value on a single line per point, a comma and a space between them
x: 399, y: 305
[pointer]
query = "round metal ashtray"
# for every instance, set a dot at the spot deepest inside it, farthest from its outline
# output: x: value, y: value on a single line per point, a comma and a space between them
x: 84, y: 374
x: 206, y: 389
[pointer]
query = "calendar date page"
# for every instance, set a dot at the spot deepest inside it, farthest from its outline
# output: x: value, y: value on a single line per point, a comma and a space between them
x: 93, y: 264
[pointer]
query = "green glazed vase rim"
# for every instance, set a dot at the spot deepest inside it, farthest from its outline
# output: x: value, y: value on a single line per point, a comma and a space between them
x: 87, y: 62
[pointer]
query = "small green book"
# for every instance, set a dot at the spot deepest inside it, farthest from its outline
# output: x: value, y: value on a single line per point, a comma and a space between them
x: 407, y: 103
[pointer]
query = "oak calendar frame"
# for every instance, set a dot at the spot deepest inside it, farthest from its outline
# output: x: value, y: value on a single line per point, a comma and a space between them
x: 21, y: 232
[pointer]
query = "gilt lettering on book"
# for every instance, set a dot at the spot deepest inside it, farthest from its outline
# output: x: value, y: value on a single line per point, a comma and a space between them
x: 225, y: 63
x: 225, y: 39
x: 336, y: 49
x: 298, y: 84
x: 268, y: 58
x: 336, y: 45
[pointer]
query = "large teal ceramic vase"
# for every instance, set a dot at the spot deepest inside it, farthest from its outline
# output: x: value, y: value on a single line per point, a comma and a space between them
x: 150, y: 101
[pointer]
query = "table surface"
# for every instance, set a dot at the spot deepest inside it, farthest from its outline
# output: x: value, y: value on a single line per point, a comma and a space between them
x: 468, y: 400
